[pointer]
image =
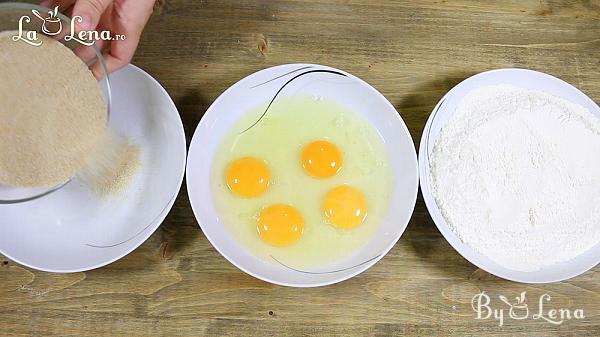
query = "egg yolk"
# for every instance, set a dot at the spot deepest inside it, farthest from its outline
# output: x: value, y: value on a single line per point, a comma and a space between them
x: 322, y: 159
x: 280, y: 225
x: 345, y: 207
x: 248, y: 177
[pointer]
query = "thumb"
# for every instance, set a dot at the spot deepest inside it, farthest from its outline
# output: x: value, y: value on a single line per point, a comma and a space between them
x: 90, y: 12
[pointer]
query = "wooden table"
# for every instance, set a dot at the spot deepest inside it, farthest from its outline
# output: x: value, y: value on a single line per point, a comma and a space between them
x: 176, y: 284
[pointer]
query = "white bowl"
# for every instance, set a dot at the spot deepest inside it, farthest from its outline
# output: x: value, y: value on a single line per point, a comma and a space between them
x: 523, y: 78
x: 72, y: 229
x: 349, y: 90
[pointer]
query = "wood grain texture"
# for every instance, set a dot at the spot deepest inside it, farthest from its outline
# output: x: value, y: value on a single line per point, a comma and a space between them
x: 176, y: 284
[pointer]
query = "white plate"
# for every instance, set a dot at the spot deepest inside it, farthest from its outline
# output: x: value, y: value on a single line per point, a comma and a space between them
x: 261, y: 87
x: 74, y: 230
x: 439, y: 117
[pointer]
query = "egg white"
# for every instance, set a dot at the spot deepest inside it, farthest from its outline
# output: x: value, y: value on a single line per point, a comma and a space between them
x: 291, y: 123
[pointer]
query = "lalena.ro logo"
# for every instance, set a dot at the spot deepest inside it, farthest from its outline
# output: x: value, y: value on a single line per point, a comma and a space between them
x: 52, y: 25
x: 519, y: 310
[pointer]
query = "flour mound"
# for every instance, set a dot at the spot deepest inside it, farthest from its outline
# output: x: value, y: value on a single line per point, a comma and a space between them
x: 516, y: 175
x: 52, y: 113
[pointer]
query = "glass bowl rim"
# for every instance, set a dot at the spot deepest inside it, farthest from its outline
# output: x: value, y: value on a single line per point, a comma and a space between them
x: 108, y: 96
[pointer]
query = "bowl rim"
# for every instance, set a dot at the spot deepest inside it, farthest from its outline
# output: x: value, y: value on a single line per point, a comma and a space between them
x: 463, y: 249
x: 359, y: 268
x: 107, y: 96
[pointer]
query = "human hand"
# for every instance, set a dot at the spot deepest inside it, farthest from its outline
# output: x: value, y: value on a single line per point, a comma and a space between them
x: 120, y: 17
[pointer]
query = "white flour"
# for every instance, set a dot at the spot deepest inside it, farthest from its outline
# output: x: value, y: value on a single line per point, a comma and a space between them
x: 516, y: 174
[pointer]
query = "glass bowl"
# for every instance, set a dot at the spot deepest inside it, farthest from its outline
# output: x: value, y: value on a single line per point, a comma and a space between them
x: 26, y: 17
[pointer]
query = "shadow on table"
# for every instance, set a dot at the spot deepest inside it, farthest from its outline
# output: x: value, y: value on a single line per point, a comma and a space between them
x: 191, y: 106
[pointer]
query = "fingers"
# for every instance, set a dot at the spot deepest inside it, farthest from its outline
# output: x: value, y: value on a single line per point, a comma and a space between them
x: 88, y: 54
x: 63, y: 5
x: 133, y: 17
x: 90, y: 12
x: 112, y: 64
x: 119, y: 55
